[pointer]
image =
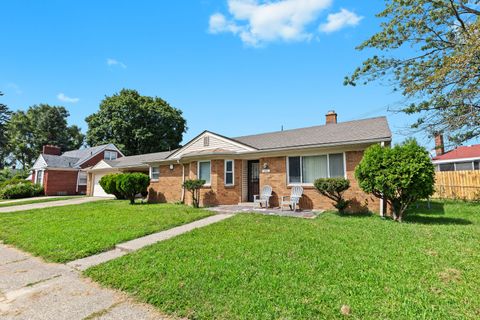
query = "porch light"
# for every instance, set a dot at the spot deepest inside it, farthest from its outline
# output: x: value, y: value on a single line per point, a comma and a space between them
x: 171, y: 167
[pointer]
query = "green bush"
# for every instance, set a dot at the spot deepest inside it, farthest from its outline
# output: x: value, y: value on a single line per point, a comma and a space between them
x: 25, y: 189
x: 402, y: 175
x: 12, y: 181
x: 333, y: 188
x: 109, y: 184
x: 194, y: 186
x: 131, y: 184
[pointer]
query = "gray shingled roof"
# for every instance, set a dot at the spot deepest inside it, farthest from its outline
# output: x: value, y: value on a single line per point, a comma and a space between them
x: 339, y: 133
x: 59, y: 161
x: 84, y: 154
x: 138, y: 160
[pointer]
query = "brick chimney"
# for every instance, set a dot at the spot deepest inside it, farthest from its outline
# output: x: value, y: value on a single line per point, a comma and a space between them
x: 53, y: 150
x: 439, y: 147
x: 331, y: 117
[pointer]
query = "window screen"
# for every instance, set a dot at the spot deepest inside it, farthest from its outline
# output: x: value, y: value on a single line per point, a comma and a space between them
x: 229, y: 172
x: 294, y: 170
x: 204, y: 171
x: 336, y: 165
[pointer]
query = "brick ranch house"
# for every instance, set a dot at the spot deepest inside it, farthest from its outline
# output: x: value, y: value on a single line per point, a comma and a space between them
x: 236, y: 169
x: 63, y: 173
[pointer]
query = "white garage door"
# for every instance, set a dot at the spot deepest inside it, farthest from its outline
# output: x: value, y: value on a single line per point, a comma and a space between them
x: 97, y: 188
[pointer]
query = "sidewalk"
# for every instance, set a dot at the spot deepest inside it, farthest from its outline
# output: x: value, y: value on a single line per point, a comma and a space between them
x: 32, y: 289
x: 136, y: 244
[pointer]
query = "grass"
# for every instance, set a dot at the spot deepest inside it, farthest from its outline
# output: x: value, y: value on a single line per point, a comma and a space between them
x: 20, y: 203
x: 267, y: 267
x: 62, y: 234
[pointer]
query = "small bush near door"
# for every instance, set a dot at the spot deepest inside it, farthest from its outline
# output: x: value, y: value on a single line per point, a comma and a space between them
x: 333, y: 188
x: 194, y: 186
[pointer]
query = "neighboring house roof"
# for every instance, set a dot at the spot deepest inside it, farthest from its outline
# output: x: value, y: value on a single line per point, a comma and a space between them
x: 356, y: 131
x: 87, y: 153
x: 59, y: 161
x: 71, y: 159
x: 463, y: 152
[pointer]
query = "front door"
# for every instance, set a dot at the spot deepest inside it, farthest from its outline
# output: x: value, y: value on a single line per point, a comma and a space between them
x: 253, y: 179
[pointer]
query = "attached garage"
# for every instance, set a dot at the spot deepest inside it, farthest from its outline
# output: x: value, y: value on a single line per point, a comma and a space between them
x: 97, y: 188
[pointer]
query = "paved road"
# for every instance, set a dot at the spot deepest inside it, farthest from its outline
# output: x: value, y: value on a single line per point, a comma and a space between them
x: 32, y: 289
x: 50, y: 204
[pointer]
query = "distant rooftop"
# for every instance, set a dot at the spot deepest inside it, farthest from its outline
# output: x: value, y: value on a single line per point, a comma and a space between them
x: 462, y: 152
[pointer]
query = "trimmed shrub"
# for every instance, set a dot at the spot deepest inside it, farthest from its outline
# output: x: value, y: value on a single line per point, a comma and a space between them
x: 21, y: 190
x: 131, y: 184
x: 109, y: 184
x: 194, y: 186
x: 402, y: 175
x: 333, y: 188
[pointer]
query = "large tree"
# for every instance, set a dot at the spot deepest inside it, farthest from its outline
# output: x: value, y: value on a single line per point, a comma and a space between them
x: 4, y: 118
x: 431, y: 52
x: 41, y: 124
x: 136, y: 124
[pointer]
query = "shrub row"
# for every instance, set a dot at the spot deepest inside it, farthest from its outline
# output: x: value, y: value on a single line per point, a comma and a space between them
x: 20, y: 189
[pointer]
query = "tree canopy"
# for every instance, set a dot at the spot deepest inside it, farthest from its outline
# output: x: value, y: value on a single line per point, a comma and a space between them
x: 402, y: 175
x: 442, y: 78
x: 136, y: 124
x: 41, y: 124
x: 4, y: 118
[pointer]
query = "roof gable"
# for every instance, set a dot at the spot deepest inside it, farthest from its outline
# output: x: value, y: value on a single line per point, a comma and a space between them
x: 87, y: 153
x: 40, y: 163
x: 209, y: 141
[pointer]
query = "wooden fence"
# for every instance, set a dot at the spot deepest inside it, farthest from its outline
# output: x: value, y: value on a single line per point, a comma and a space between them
x: 458, y: 185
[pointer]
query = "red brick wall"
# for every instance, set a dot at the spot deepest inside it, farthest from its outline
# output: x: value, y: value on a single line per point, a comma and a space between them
x: 60, y: 182
x: 217, y: 193
x: 96, y: 159
x: 169, y: 186
x: 277, y: 179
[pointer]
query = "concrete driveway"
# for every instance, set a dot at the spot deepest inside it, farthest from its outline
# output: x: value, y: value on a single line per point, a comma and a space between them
x: 32, y: 289
x: 50, y: 204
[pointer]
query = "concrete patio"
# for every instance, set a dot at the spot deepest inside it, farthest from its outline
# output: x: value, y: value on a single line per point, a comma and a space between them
x: 251, y: 208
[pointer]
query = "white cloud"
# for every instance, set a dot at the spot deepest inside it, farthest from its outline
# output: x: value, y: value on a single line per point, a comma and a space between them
x: 62, y: 97
x: 340, y: 20
x: 15, y: 88
x: 256, y: 23
x: 114, y: 62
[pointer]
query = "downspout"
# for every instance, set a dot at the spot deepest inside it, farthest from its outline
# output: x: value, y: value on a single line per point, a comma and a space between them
x: 382, y: 200
x: 183, y: 181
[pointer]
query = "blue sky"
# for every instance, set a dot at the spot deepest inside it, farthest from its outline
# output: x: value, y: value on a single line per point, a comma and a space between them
x: 233, y: 66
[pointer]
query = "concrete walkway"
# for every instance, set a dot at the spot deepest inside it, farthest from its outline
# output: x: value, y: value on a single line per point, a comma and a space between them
x: 136, y: 244
x: 50, y: 204
x: 32, y: 289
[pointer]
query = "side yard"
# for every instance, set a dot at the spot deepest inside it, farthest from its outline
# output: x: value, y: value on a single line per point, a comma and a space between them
x: 255, y: 266
x: 67, y: 233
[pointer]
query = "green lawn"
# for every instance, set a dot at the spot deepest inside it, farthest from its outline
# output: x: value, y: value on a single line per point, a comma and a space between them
x: 267, y: 267
x: 26, y: 201
x: 67, y: 233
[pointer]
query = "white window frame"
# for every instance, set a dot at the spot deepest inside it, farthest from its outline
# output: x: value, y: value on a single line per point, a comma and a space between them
x: 150, y: 173
x: 471, y: 169
x: 86, y: 176
x: 109, y: 152
x: 313, y: 155
x: 36, y: 177
x: 225, y: 173
x: 207, y: 184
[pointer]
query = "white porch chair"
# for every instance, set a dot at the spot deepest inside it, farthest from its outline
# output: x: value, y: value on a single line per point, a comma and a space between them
x: 263, y: 197
x: 293, y: 200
